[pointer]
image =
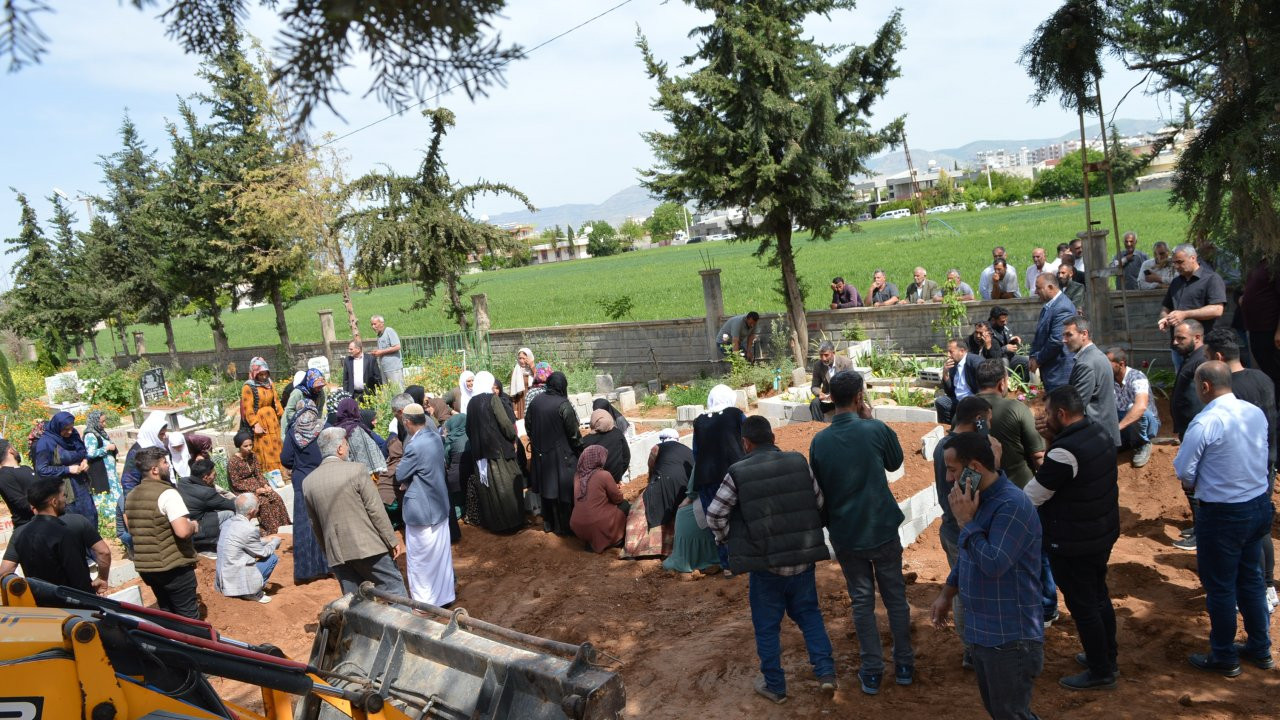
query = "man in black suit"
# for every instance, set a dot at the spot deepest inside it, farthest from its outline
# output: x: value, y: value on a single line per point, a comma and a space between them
x: 828, y: 364
x: 959, y: 379
x: 360, y: 373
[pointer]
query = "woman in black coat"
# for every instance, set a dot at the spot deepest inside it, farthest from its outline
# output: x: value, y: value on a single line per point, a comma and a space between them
x: 554, y: 445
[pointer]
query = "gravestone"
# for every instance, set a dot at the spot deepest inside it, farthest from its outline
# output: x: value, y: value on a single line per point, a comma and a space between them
x: 799, y: 377
x: 626, y: 399
x: 320, y: 363
x: 604, y: 384
x: 152, y: 386
x: 62, y: 381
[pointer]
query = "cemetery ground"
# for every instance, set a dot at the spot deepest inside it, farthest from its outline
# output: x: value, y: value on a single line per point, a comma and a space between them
x: 663, y: 282
x: 687, y: 645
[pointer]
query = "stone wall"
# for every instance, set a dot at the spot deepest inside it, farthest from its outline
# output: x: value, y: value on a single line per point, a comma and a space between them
x: 678, y: 350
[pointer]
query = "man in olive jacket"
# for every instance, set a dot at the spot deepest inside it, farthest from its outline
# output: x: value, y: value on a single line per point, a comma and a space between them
x: 849, y: 460
x: 163, y: 552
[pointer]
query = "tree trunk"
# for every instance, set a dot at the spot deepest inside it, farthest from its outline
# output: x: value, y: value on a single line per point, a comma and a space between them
x: 220, y: 343
x: 341, y: 263
x: 455, y: 302
x: 124, y: 344
x: 277, y: 301
x: 799, y: 337
x: 169, y: 341
x: 93, y: 342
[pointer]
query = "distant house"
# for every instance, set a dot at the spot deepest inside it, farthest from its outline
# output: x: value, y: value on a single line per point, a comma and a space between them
x: 562, y: 249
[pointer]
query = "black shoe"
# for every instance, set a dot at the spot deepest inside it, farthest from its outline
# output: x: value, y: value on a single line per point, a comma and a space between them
x: 1186, y: 543
x: 1051, y: 618
x: 904, y: 674
x: 1083, y: 661
x: 762, y: 689
x: 1204, y: 661
x: 966, y: 660
x: 870, y: 682
x: 828, y: 686
x: 1087, y: 681
x: 1187, y: 532
x: 1263, y: 662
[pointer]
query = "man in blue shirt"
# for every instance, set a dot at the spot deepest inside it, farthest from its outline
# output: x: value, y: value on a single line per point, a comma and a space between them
x: 1223, y: 459
x: 997, y: 577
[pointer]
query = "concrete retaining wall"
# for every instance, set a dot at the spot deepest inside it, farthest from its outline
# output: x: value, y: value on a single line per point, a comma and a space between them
x: 677, y: 350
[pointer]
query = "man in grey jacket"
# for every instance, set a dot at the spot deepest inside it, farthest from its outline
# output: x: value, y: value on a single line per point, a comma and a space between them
x: 245, y: 562
x: 1091, y: 376
x: 429, y: 564
x: 350, y: 523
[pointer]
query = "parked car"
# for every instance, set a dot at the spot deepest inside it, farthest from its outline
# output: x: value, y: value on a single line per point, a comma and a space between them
x: 696, y: 239
x: 721, y: 236
x: 864, y: 217
x: 899, y: 213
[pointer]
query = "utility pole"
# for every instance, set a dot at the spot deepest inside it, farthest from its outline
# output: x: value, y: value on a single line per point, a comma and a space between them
x: 917, y: 197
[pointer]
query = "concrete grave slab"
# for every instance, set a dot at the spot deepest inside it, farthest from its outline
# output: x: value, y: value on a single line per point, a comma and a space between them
x: 800, y: 377
x: 604, y: 383
x: 902, y: 413
x: 929, y: 442
x: 626, y: 399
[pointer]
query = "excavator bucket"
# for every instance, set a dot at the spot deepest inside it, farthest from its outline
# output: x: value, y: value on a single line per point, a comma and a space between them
x: 438, y: 663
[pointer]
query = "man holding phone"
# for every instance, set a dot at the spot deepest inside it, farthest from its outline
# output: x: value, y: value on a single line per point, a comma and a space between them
x: 997, y: 577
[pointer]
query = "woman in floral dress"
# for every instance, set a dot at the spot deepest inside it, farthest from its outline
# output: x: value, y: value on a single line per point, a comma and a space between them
x: 244, y: 476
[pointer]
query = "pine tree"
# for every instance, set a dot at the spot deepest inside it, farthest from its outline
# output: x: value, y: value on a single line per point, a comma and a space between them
x: 79, y: 314
x: 423, y: 222
x: 132, y: 239
x: 773, y: 123
x: 34, y: 306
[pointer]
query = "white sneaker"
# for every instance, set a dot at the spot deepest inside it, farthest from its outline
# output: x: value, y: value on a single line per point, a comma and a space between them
x: 1272, y: 600
x: 264, y: 598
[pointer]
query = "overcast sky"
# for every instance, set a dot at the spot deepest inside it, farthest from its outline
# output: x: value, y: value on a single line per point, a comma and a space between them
x: 567, y: 126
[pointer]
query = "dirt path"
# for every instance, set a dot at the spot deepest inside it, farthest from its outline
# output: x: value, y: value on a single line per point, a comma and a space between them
x: 689, y: 649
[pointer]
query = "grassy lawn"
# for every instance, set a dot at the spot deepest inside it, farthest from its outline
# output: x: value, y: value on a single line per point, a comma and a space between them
x: 664, y: 282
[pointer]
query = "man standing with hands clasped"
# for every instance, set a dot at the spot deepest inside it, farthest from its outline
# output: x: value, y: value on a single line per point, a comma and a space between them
x: 997, y: 576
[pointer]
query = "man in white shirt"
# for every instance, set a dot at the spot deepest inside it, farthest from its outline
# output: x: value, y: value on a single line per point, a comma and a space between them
x: 360, y: 374
x: 1003, y: 287
x: 1157, y: 271
x: 1138, y: 419
x: 1057, y: 258
x: 1223, y: 459
x: 1035, y: 269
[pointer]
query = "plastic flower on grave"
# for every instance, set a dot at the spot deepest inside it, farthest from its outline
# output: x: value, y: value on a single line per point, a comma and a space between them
x: 1022, y: 397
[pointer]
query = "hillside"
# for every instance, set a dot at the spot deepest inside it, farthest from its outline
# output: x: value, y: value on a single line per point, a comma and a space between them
x: 664, y: 283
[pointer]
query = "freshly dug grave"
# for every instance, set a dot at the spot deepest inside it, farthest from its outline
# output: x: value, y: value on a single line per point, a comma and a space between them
x: 688, y: 645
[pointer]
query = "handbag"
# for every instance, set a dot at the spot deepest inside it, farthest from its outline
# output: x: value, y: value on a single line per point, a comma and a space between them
x: 68, y: 488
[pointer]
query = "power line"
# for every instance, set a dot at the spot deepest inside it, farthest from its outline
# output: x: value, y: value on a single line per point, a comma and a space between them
x: 523, y: 55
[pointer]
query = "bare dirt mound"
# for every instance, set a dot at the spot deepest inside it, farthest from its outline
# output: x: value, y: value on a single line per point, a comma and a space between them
x: 688, y: 646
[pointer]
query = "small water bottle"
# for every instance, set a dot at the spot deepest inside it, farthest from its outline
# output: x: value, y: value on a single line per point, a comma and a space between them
x: 777, y: 379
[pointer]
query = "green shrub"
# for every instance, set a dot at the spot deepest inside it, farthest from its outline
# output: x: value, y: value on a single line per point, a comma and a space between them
x: 694, y: 393
x: 117, y: 389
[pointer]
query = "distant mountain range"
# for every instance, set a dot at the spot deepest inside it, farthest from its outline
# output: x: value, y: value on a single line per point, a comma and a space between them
x: 635, y: 201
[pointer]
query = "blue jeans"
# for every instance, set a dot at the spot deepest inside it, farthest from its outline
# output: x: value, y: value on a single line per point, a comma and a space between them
x: 1229, y: 539
x: 1048, y: 587
x: 864, y: 571
x: 773, y: 595
x: 1006, y: 676
x: 268, y: 566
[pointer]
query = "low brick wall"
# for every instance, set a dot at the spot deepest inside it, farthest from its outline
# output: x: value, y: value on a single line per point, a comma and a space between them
x: 678, y: 350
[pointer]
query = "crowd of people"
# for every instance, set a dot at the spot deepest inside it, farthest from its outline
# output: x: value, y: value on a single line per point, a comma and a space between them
x: 1030, y: 504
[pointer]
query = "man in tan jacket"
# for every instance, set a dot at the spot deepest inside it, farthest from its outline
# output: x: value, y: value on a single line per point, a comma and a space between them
x: 350, y: 521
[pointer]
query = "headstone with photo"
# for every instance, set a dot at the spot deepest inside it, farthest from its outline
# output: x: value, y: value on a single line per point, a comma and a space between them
x: 320, y: 363
x: 152, y: 387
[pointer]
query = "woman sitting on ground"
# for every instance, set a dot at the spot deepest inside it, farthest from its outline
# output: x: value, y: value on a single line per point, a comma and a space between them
x: 607, y: 435
x: 244, y: 475
x: 619, y: 421
x: 599, y: 512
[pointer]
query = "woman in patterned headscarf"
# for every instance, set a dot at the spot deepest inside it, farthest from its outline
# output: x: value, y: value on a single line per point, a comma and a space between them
x: 103, y: 478
x: 541, y: 373
x: 301, y: 454
x: 599, y: 512
x: 261, y: 410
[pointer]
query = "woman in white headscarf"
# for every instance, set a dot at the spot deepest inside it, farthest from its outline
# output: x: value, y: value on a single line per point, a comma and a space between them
x: 292, y: 394
x: 179, y: 455
x: 717, y: 444
x: 465, y: 383
x: 152, y: 434
x: 497, y: 485
x: 521, y: 379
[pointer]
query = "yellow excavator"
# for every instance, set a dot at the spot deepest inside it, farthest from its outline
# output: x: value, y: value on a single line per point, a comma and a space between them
x: 67, y: 654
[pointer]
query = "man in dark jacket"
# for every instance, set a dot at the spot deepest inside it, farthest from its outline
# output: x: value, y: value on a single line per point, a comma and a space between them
x: 1047, y: 354
x: 849, y: 459
x: 208, y: 507
x: 1076, y: 492
x: 360, y: 373
x: 827, y: 364
x: 959, y: 379
x: 768, y: 512
x: 1091, y: 376
x: 1188, y: 342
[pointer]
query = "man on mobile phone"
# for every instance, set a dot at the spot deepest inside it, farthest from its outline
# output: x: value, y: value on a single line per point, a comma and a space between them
x: 972, y: 415
x: 1079, y: 502
x: 997, y: 576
